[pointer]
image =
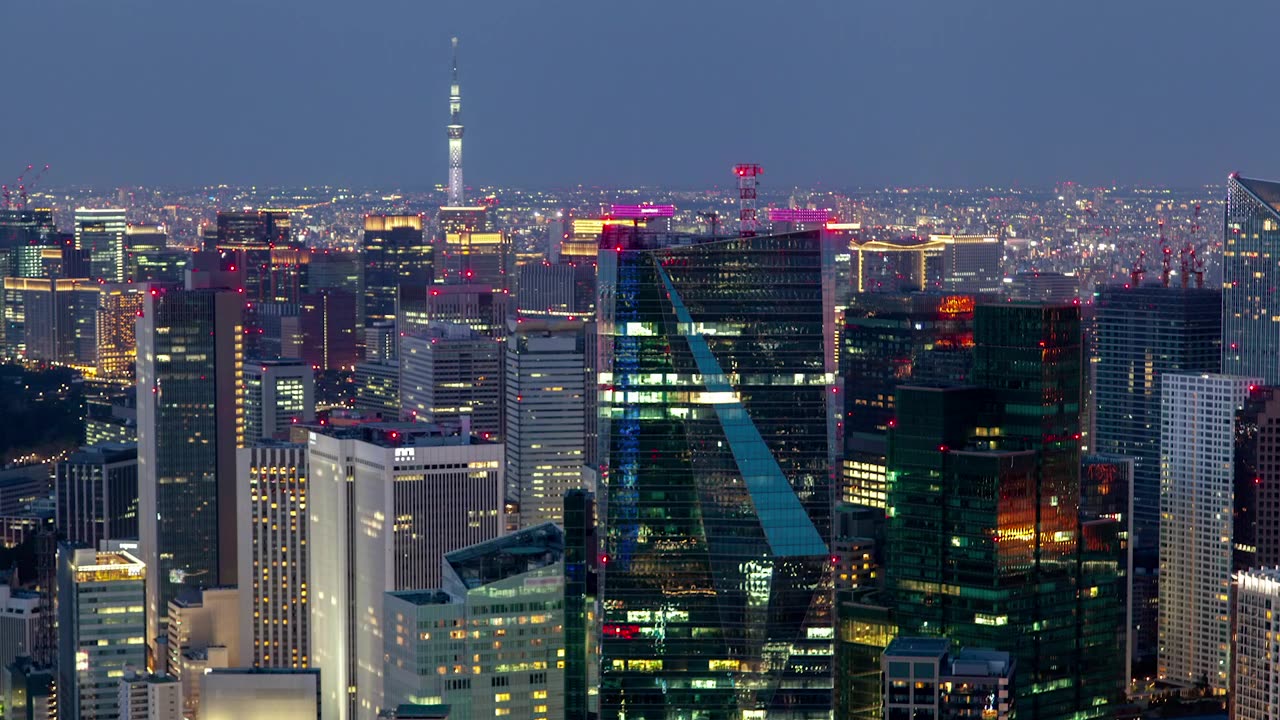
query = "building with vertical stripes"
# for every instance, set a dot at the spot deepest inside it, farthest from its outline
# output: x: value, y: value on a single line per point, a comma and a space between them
x: 1198, y: 416
x: 389, y: 500
x: 274, y: 556
x: 546, y: 423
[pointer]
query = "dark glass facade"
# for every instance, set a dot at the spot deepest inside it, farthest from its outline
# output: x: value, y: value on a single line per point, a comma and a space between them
x: 395, y: 254
x: 1143, y: 333
x: 190, y: 422
x: 1251, y: 280
x: 983, y: 507
x: 891, y: 340
x: 581, y: 551
x: 716, y: 598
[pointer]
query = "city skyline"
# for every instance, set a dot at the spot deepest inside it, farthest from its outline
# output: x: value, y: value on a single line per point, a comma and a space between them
x: 916, y: 93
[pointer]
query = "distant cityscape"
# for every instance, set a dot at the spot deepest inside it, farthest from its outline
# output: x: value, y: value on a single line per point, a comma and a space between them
x: 731, y: 453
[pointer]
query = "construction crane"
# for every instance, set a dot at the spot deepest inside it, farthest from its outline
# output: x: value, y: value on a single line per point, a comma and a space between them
x: 1137, y: 271
x: 23, y: 189
x: 1166, y: 256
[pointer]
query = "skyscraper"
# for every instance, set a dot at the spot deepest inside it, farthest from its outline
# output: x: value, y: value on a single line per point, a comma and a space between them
x: 1198, y: 415
x: 100, y: 232
x: 277, y: 393
x: 983, y: 508
x: 1143, y: 333
x: 190, y: 422
x: 100, y: 628
x: 450, y: 374
x: 97, y: 494
x: 274, y: 536
x: 717, y: 590
x: 389, y: 500
x: 1250, y: 330
x: 395, y: 254
x: 546, y: 383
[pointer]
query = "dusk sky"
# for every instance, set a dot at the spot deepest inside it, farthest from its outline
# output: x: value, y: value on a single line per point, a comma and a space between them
x: 840, y: 93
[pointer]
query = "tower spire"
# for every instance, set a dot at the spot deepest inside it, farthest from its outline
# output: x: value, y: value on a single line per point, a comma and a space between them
x: 456, y: 198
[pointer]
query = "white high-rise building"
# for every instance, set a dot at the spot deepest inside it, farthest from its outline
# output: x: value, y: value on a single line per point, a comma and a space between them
x: 150, y: 697
x: 387, y: 501
x: 1255, y: 692
x: 271, y: 508
x: 1197, y: 502
x: 546, y: 416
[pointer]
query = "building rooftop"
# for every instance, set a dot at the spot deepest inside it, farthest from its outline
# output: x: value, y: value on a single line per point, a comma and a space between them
x: 510, y: 555
x: 401, y: 434
x: 1265, y: 190
x: 423, y: 597
x: 917, y: 647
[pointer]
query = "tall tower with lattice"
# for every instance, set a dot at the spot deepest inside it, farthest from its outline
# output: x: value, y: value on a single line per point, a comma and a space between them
x: 455, y: 135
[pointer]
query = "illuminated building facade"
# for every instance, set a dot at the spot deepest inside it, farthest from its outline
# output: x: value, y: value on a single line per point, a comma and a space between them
x: 1143, y: 333
x: 1250, y: 330
x: 390, y: 500
x: 479, y: 307
x: 274, y: 555
x: 983, y: 514
x: 100, y: 232
x: 494, y: 644
x: 972, y: 263
x: 894, y: 266
x: 546, y: 386
x: 117, y: 346
x: 717, y: 585
x: 190, y: 422
x: 926, y: 678
x: 1198, y: 420
x: 1255, y: 693
x: 101, y: 628
x: 54, y: 320
x: 142, y: 241
x: 278, y: 393
x: 475, y: 256
x: 395, y: 253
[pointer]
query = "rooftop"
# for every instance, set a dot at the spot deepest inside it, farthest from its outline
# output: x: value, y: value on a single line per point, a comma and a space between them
x: 917, y: 647
x: 510, y: 555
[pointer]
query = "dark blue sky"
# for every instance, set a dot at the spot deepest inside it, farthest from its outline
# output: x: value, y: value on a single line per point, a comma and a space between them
x: 555, y: 93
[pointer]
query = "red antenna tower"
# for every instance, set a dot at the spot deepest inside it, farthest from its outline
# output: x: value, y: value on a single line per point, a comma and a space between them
x: 748, y: 223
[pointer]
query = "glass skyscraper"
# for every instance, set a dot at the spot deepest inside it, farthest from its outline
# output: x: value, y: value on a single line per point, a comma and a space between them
x: 190, y: 422
x: 1143, y: 333
x: 395, y: 254
x: 983, y: 508
x: 716, y: 597
x: 1251, y: 280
